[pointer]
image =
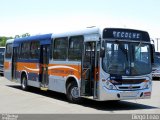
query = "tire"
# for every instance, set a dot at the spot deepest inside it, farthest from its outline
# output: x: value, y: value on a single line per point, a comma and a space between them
x: 73, y: 93
x: 24, y: 84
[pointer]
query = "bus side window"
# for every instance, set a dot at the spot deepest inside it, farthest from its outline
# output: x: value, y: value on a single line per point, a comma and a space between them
x: 60, y: 50
x: 9, y: 49
x: 75, y: 48
x: 35, y: 50
x: 25, y: 50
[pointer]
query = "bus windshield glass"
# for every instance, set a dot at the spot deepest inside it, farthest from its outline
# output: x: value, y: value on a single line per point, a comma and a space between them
x: 2, y: 55
x: 1, y: 58
x: 2, y: 50
x: 126, y: 58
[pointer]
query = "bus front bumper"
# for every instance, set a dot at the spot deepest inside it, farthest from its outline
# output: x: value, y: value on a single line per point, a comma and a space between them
x: 124, y: 95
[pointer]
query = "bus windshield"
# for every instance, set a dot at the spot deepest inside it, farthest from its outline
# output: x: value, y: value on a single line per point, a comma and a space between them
x: 2, y: 50
x: 124, y: 58
x: 1, y: 58
x: 2, y: 55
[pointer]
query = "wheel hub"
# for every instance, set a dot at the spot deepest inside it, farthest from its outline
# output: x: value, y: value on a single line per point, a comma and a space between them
x: 75, y: 92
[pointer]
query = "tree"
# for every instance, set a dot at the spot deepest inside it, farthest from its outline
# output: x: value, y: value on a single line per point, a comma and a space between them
x: 23, y: 35
x: 3, y: 40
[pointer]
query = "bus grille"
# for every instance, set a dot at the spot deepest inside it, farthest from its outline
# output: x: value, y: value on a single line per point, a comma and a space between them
x: 128, y: 87
x: 127, y: 81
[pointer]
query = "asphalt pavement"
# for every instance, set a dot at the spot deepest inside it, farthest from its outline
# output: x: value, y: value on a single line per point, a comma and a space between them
x: 14, y: 100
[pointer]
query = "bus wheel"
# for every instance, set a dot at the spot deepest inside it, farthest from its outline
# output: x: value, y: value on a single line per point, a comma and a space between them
x: 73, y: 93
x: 24, y: 83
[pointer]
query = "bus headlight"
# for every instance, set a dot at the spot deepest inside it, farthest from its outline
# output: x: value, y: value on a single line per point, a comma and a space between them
x: 147, y: 85
x: 110, y: 86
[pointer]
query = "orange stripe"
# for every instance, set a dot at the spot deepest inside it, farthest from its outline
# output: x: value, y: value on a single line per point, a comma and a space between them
x: 65, y: 71
x: 28, y: 67
x: 53, y: 69
x: 7, y: 65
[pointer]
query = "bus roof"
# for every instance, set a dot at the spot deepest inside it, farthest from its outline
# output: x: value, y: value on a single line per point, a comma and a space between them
x: 44, y: 39
x: 109, y: 33
x: 99, y: 32
x: 87, y: 31
x: 9, y: 41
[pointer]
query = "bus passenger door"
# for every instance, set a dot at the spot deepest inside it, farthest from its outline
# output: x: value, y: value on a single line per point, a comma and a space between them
x: 44, y: 61
x: 89, y: 66
x: 14, y: 63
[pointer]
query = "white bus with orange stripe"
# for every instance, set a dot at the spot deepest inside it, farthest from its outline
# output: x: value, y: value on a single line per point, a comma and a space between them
x: 100, y: 64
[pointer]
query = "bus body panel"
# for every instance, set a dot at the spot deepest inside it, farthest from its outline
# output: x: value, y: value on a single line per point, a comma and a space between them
x: 60, y: 72
x: 30, y: 67
x: 8, y: 69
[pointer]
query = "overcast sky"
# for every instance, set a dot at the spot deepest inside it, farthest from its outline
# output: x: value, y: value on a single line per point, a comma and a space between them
x: 49, y: 16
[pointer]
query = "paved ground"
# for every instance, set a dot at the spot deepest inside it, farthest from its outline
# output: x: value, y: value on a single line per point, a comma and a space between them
x: 15, y: 100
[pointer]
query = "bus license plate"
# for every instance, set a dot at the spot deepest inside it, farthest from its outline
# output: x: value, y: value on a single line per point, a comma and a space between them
x: 128, y: 94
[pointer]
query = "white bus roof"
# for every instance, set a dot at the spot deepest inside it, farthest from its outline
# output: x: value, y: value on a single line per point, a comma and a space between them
x: 9, y: 41
x: 86, y: 31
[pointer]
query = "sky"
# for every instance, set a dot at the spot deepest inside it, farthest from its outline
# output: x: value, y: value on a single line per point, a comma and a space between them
x: 51, y: 16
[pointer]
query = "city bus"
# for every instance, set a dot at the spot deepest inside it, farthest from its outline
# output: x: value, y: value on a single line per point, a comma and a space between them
x: 2, y: 49
x: 98, y: 64
x: 156, y: 66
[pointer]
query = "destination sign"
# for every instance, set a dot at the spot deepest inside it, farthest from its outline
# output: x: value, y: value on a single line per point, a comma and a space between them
x: 125, y: 34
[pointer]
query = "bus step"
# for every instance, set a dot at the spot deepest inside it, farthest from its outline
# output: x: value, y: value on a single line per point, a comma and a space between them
x: 44, y: 88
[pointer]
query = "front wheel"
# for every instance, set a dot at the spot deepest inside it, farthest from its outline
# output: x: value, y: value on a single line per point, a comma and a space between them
x: 73, y: 93
x: 24, y: 85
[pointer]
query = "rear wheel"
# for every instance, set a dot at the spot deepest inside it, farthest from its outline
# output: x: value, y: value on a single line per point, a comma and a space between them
x: 73, y: 93
x: 24, y: 85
